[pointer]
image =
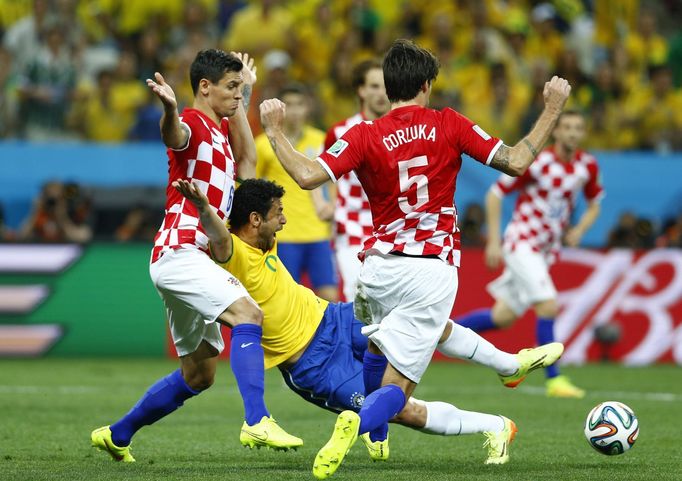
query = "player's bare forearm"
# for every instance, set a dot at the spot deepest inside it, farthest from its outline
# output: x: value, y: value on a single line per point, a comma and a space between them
x: 515, y: 160
x: 173, y: 133
x: 493, y: 209
x: 307, y: 173
x: 218, y: 235
x: 589, y: 217
x: 243, y: 146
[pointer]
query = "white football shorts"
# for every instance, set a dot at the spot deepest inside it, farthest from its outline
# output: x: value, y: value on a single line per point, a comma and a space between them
x: 195, y: 291
x: 405, y: 302
x: 525, y: 280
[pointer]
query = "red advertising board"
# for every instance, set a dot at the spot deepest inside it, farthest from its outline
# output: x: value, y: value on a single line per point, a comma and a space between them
x: 640, y: 293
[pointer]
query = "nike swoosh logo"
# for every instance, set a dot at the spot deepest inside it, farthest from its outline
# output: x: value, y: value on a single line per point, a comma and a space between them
x: 259, y: 437
x: 246, y: 345
x: 538, y: 362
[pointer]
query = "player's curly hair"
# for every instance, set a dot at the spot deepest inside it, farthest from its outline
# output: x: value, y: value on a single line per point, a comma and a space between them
x: 253, y: 195
x: 212, y: 64
x: 406, y: 67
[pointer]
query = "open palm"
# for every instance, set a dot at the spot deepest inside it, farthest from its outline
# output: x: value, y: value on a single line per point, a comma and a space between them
x: 163, y: 90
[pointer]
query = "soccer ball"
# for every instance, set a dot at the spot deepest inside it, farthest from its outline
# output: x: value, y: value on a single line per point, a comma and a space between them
x: 611, y: 428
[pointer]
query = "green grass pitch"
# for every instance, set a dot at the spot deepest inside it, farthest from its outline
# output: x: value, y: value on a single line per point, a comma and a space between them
x: 48, y: 408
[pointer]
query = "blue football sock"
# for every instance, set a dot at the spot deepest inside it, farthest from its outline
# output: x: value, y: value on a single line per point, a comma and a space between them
x: 246, y: 359
x: 373, y: 368
x: 380, y: 406
x: 164, y: 397
x: 478, y: 321
x: 545, y: 335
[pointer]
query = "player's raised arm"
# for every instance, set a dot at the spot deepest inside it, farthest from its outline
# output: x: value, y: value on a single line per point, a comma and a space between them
x: 241, y: 137
x: 515, y: 160
x: 173, y: 133
x: 307, y: 173
x: 216, y: 230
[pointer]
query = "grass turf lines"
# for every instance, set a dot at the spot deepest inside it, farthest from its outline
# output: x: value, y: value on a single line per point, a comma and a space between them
x: 48, y: 408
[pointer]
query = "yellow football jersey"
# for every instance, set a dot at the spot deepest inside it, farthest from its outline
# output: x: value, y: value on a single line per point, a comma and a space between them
x: 302, y: 225
x: 291, y: 311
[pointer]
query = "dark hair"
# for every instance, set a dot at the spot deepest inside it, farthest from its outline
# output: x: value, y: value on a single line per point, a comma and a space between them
x: 359, y: 75
x: 570, y: 113
x: 406, y: 67
x: 254, y: 195
x: 212, y: 64
x: 293, y: 88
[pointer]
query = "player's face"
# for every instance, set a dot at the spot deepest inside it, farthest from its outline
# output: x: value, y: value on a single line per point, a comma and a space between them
x: 225, y: 95
x: 373, y: 93
x: 272, y: 224
x: 297, y: 109
x: 570, y: 131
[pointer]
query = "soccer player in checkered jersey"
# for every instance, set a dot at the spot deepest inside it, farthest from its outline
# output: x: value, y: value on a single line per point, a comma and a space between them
x: 407, y: 162
x: 547, y: 194
x: 352, y: 214
x: 204, y: 144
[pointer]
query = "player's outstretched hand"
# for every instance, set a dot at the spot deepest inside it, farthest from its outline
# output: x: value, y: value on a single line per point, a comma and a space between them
x: 272, y: 112
x: 573, y: 237
x: 249, y: 69
x: 493, y: 255
x: 192, y: 192
x: 556, y: 93
x: 163, y: 91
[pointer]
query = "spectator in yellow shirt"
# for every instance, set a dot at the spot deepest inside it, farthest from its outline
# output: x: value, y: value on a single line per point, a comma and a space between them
x: 304, y: 243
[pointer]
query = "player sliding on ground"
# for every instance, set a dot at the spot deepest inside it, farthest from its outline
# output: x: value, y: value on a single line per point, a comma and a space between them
x: 407, y: 161
x: 318, y: 345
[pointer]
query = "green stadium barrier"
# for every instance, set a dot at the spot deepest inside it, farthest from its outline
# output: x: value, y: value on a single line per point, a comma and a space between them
x: 104, y: 301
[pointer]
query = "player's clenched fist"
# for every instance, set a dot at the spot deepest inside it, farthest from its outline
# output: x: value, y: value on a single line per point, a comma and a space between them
x: 556, y: 92
x: 272, y: 113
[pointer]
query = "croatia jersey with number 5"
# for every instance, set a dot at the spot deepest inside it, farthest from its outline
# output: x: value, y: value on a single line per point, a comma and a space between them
x: 407, y: 162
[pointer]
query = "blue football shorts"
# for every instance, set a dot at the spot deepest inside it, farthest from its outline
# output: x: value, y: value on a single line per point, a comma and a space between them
x: 329, y: 373
x: 314, y: 258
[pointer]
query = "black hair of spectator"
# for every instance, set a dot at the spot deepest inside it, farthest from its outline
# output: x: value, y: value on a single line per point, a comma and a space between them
x: 293, y: 88
x: 359, y: 75
x: 211, y: 64
x: 407, y: 67
x: 253, y: 195
x: 570, y: 113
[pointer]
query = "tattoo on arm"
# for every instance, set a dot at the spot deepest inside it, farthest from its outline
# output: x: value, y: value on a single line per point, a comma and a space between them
x: 530, y: 147
x: 246, y: 96
x: 501, y: 159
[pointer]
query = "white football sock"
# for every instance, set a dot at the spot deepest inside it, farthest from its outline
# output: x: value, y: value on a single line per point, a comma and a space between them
x: 464, y: 343
x: 446, y: 420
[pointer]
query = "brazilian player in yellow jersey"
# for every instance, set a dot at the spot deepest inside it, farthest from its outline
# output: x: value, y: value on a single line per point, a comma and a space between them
x: 319, y: 347
x: 304, y: 245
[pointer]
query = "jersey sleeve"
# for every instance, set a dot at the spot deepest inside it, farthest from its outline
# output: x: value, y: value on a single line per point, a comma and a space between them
x: 236, y: 262
x: 593, y: 189
x: 507, y: 184
x: 345, y: 154
x: 469, y: 138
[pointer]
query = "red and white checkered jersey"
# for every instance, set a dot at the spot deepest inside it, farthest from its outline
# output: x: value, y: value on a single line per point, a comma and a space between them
x: 352, y: 214
x: 407, y: 162
x: 207, y: 161
x: 547, y: 195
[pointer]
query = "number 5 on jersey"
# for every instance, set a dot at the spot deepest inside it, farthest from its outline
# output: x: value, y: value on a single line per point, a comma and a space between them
x: 407, y: 181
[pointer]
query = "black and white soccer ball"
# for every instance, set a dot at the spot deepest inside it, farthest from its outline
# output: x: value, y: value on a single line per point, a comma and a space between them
x: 611, y: 428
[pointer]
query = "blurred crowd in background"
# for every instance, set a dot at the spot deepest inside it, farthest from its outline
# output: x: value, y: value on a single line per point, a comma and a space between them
x: 74, y: 70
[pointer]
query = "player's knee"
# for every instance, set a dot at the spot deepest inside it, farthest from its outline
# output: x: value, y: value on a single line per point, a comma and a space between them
x: 243, y: 311
x: 503, y: 316
x: 547, y: 309
x: 200, y: 380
